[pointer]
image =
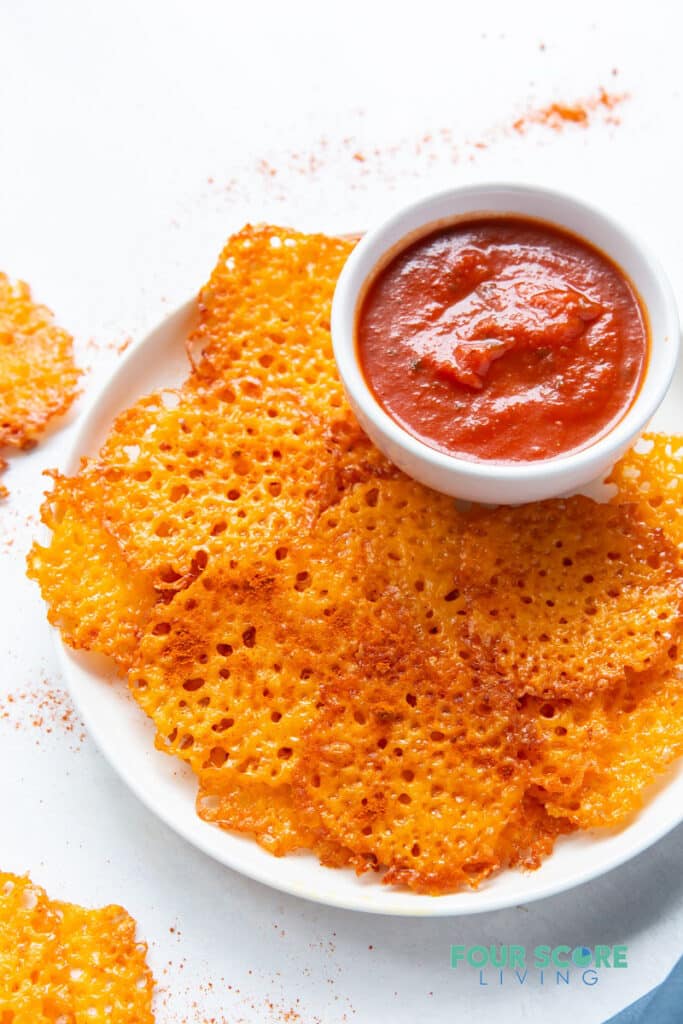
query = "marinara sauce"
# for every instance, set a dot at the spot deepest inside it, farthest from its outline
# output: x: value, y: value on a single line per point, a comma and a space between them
x: 503, y: 338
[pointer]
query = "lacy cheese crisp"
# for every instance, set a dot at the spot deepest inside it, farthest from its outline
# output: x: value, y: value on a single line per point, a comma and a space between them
x: 63, y: 964
x: 349, y: 662
x: 38, y: 376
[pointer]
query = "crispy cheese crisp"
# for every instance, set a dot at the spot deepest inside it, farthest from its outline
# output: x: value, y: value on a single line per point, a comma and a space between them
x: 38, y: 376
x: 651, y: 475
x: 62, y: 963
x: 565, y: 596
x: 185, y: 474
x: 231, y: 669
x: 348, y: 662
x: 265, y: 314
x: 416, y: 773
x: 225, y: 674
x: 592, y: 759
x: 93, y: 598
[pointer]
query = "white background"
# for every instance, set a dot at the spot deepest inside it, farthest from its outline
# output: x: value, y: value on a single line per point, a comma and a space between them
x: 133, y: 138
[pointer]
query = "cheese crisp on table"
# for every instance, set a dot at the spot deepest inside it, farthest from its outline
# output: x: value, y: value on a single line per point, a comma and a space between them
x: 63, y: 964
x: 349, y: 662
x: 38, y: 377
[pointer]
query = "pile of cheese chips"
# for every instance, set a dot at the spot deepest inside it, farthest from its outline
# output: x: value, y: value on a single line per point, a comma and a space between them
x: 348, y: 661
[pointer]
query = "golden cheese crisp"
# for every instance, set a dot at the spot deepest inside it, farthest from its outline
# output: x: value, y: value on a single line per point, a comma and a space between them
x: 63, y: 964
x: 349, y: 662
x: 416, y: 773
x: 265, y: 314
x: 651, y: 474
x: 94, y: 599
x: 592, y: 759
x: 38, y: 376
x: 565, y: 596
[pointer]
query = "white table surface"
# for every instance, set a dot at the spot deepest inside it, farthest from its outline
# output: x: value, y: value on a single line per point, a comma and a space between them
x: 133, y: 138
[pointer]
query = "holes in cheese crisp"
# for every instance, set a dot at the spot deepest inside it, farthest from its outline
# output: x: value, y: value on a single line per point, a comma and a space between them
x: 195, y: 683
x: 222, y: 724
x: 249, y: 636
x: 199, y: 562
x: 303, y: 580
x: 225, y: 650
x: 162, y: 629
x: 275, y: 488
x: 217, y: 757
x: 186, y: 742
x: 218, y: 528
x: 169, y: 575
x: 404, y: 798
x: 178, y: 491
x: 227, y: 395
x: 284, y: 753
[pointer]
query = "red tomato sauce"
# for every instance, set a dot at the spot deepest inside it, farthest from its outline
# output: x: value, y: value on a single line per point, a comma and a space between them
x: 503, y: 338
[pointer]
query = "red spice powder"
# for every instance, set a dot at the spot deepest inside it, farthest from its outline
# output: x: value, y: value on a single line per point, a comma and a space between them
x: 388, y: 163
x: 44, y: 710
x: 557, y: 115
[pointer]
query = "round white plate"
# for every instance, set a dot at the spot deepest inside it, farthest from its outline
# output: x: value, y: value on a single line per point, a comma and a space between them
x: 126, y: 737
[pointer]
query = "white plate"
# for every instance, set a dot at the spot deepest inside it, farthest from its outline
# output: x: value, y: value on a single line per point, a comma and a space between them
x: 126, y: 737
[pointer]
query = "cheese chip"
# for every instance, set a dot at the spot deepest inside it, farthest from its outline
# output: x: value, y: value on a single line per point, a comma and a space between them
x: 38, y: 377
x: 63, y: 964
x: 565, y: 596
x: 651, y: 474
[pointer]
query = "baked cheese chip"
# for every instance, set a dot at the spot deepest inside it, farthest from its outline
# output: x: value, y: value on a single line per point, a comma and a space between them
x: 225, y: 674
x: 230, y: 669
x: 63, y: 964
x: 38, y: 376
x: 592, y: 759
x: 94, y: 599
x: 416, y: 773
x: 651, y: 475
x: 565, y: 596
x: 265, y: 314
x: 185, y: 474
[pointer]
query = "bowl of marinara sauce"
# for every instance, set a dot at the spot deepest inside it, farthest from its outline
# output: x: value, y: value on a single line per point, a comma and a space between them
x: 503, y: 343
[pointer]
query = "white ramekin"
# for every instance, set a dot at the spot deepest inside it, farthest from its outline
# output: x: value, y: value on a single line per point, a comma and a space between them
x: 488, y: 481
